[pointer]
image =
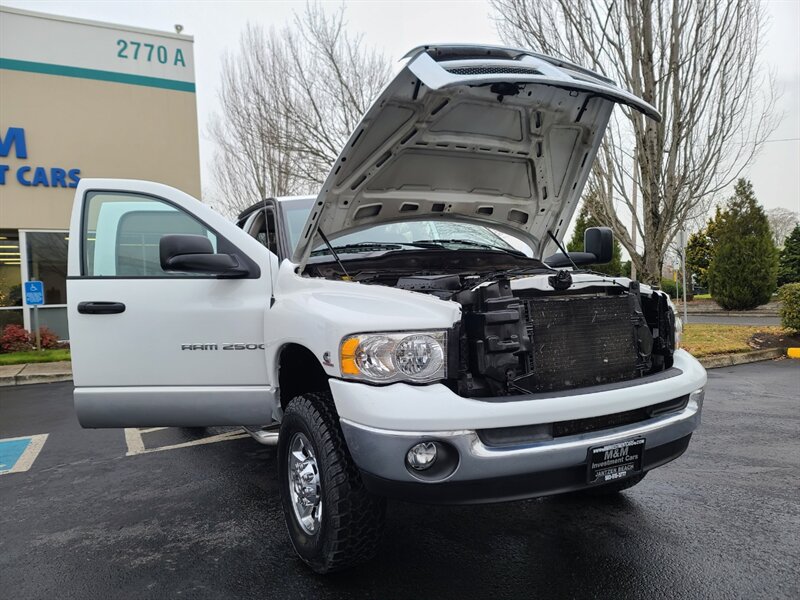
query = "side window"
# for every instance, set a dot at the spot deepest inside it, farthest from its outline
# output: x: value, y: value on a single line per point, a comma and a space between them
x: 121, y: 234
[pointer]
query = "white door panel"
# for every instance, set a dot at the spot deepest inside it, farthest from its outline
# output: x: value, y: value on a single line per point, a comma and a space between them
x: 147, y: 343
x: 172, y: 348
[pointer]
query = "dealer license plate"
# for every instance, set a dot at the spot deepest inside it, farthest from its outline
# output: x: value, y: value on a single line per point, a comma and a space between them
x: 615, y: 461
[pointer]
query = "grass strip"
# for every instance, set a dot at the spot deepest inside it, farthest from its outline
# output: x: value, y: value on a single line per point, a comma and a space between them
x: 33, y: 356
x: 702, y: 339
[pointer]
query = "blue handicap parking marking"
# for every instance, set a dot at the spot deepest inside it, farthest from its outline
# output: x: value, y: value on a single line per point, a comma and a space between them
x: 34, y: 293
x: 17, y: 454
x: 11, y: 451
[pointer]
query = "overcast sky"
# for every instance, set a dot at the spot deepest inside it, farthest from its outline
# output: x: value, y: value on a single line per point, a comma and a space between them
x: 396, y: 26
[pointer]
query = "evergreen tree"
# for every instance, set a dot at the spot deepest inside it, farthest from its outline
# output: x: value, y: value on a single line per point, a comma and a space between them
x: 586, y: 220
x: 698, y: 257
x: 789, y: 261
x: 700, y: 250
x: 743, y: 269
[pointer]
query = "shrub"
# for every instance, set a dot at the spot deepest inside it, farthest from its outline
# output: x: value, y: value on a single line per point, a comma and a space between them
x: 48, y: 339
x: 672, y: 288
x: 743, y: 270
x: 789, y: 296
x: 15, y: 339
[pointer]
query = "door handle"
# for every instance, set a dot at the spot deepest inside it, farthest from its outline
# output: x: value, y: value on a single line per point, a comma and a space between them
x: 100, y: 308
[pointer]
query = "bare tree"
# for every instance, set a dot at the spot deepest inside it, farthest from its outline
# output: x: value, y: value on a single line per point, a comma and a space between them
x: 697, y: 62
x: 289, y: 100
x: 250, y: 161
x: 781, y: 223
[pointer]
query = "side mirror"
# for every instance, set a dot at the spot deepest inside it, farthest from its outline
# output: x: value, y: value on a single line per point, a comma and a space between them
x: 194, y: 254
x: 600, y: 242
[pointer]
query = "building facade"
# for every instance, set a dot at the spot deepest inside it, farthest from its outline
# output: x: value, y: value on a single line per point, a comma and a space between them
x: 81, y: 99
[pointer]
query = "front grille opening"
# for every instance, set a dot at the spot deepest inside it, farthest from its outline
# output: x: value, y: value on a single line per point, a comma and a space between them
x: 526, y: 434
x: 493, y: 70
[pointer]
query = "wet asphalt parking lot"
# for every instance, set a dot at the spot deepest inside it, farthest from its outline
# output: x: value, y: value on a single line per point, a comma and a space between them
x: 204, y: 520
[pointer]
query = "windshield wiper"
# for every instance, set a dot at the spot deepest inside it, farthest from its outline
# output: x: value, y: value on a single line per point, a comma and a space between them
x: 368, y: 245
x: 440, y: 243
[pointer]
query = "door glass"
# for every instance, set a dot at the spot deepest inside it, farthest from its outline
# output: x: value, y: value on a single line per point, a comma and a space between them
x: 121, y: 234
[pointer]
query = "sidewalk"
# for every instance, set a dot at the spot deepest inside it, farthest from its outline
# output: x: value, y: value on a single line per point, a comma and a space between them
x: 35, y: 373
x: 711, y: 308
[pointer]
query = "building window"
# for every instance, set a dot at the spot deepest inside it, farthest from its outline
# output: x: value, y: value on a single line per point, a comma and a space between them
x: 46, y: 253
x: 47, y: 262
x: 10, y: 280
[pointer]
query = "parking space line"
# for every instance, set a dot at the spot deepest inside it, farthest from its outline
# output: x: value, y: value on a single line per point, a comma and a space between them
x: 222, y: 437
x: 133, y: 438
x: 23, y: 461
x: 152, y: 429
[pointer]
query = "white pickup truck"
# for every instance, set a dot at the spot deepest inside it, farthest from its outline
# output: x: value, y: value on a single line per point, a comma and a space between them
x: 415, y: 330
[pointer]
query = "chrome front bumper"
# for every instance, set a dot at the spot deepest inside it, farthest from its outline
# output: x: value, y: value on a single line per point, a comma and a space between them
x: 484, y: 473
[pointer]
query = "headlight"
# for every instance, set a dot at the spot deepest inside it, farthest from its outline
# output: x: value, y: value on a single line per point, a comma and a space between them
x: 386, y: 357
x: 678, y: 331
x: 678, y: 323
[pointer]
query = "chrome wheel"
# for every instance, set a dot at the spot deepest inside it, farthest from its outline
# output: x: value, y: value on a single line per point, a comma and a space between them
x: 304, y: 484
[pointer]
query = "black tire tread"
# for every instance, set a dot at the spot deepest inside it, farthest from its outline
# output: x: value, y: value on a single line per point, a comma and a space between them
x: 355, y: 518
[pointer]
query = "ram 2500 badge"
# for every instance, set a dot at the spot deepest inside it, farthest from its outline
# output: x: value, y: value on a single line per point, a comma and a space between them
x: 414, y: 330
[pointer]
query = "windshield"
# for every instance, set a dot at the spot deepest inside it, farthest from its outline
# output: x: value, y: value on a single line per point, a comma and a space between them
x: 407, y: 232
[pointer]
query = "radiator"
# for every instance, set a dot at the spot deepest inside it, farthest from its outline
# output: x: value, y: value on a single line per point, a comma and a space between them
x: 578, y: 341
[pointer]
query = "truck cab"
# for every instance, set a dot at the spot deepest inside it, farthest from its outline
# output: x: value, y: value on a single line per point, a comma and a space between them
x: 415, y: 330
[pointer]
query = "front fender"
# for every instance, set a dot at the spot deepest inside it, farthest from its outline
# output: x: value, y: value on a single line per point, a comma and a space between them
x: 317, y: 313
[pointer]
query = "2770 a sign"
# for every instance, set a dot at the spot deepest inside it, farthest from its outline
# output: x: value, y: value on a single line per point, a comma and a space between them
x: 142, y: 51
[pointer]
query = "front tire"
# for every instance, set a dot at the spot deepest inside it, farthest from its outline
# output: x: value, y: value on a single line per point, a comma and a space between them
x: 333, y: 522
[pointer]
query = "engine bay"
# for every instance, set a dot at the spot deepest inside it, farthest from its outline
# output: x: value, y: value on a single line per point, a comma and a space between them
x: 514, y: 339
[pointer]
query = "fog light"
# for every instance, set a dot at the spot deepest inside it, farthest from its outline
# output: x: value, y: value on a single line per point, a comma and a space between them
x: 422, y: 456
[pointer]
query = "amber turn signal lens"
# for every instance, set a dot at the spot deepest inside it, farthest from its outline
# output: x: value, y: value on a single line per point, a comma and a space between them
x: 348, y: 356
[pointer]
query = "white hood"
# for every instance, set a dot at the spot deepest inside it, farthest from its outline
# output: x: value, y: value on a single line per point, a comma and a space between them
x: 497, y: 136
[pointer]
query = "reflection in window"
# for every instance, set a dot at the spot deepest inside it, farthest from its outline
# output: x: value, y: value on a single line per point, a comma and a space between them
x: 138, y: 237
x: 122, y: 233
x: 11, y: 317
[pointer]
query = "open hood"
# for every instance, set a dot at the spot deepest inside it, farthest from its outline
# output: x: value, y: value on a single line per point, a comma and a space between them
x: 498, y: 136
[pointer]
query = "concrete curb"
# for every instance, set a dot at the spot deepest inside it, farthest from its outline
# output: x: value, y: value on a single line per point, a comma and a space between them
x: 35, y: 373
x: 723, y: 313
x: 740, y: 358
